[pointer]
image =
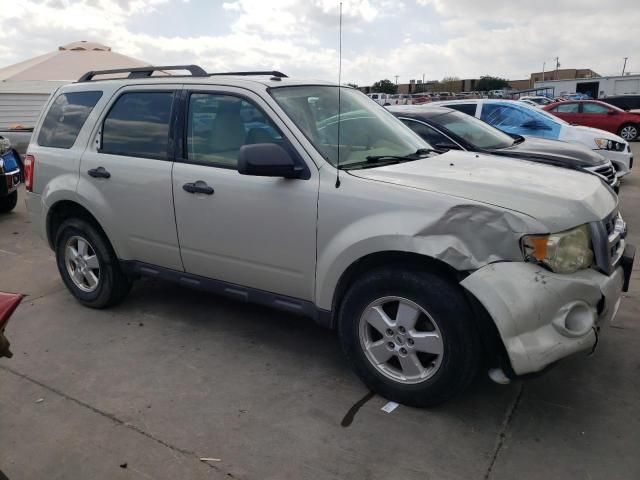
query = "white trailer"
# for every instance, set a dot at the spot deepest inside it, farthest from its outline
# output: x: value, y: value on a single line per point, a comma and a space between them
x: 598, y: 87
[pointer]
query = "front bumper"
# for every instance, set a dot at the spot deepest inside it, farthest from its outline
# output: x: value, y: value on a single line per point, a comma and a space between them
x: 542, y: 316
x: 622, y: 161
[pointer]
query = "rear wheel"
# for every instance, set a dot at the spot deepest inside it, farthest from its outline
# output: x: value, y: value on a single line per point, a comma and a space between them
x: 629, y: 132
x: 410, y: 336
x: 88, y: 266
x: 9, y: 202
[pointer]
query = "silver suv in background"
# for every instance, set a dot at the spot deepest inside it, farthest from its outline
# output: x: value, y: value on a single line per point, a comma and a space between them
x: 271, y: 190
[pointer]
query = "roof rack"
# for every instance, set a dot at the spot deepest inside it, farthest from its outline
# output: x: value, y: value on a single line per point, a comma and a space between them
x: 273, y: 73
x: 144, y: 72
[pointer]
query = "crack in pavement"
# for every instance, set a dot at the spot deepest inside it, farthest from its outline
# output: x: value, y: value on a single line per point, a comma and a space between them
x: 503, y: 430
x: 111, y: 417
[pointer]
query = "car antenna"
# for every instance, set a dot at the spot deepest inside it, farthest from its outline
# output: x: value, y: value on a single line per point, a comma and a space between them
x: 339, y: 90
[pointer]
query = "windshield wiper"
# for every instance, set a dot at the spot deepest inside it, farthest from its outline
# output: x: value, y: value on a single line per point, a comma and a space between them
x: 412, y: 156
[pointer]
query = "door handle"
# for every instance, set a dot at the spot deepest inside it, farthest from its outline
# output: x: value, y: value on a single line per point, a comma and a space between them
x: 198, y: 187
x: 99, y: 172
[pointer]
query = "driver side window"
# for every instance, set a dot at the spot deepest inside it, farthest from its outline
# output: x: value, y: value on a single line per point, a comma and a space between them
x: 218, y: 125
x: 428, y: 134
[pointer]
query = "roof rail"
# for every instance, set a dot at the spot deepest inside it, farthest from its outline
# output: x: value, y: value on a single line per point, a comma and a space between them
x: 273, y: 73
x: 143, y: 72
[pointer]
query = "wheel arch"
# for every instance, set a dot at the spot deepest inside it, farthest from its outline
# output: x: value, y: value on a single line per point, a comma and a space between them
x: 66, y: 209
x: 494, y: 352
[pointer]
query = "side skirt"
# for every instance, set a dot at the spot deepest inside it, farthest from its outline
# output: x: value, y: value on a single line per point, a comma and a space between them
x: 240, y: 293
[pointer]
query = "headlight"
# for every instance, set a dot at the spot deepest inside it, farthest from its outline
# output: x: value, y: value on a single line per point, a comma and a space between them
x: 563, y: 252
x: 605, y: 144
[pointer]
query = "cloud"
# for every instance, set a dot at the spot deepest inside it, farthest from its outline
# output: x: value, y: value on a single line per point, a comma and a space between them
x: 382, y: 38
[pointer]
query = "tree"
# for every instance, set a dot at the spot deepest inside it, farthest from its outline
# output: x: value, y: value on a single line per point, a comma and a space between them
x: 487, y: 82
x: 448, y: 84
x: 384, y: 86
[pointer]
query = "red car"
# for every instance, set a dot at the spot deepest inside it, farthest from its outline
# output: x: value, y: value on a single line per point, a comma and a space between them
x: 592, y: 113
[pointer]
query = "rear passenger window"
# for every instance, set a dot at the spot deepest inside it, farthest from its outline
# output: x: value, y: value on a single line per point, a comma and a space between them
x: 218, y: 125
x: 468, y: 108
x: 138, y: 125
x: 65, y: 118
x: 567, y: 108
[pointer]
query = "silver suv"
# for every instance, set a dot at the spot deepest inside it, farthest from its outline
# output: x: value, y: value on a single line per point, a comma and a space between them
x: 315, y: 200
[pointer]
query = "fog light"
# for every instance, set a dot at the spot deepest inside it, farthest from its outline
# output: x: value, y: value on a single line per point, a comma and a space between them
x: 575, y: 319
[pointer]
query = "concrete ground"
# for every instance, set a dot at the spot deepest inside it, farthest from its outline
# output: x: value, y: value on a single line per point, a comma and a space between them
x: 147, y: 389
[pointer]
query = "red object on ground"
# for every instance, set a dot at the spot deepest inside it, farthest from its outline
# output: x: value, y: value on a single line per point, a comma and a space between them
x: 8, y: 304
x: 592, y: 113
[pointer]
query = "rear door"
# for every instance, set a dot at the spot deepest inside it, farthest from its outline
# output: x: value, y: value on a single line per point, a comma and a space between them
x: 257, y: 232
x: 125, y: 175
x: 567, y: 111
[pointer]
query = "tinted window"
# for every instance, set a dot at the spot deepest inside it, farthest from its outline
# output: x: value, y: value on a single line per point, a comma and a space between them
x: 594, y: 108
x: 476, y: 132
x: 433, y: 137
x: 567, y: 108
x: 66, y: 117
x: 218, y: 125
x: 468, y: 108
x: 138, y: 125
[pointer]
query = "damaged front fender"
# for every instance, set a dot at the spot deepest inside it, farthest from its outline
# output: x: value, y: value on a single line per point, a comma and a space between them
x: 542, y: 316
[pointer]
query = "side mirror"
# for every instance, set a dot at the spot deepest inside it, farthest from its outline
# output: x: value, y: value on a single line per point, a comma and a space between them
x: 447, y: 145
x: 267, y: 160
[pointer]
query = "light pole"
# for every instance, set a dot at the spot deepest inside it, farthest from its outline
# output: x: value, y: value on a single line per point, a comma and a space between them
x: 624, y: 66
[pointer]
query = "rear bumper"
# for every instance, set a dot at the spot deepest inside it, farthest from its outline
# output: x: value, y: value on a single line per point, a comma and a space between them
x: 33, y: 202
x: 543, y: 317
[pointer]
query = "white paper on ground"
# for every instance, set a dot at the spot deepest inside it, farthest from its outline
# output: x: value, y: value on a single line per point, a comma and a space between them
x: 390, y: 407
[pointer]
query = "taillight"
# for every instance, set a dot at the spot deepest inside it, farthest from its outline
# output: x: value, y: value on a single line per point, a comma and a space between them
x: 29, y: 167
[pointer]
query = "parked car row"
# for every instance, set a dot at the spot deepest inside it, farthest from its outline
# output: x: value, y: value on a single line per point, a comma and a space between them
x: 431, y: 262
x: 517, y: 118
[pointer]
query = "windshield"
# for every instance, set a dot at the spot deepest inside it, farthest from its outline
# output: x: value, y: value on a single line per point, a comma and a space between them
x: 366, y: 129
x: 476, y: 132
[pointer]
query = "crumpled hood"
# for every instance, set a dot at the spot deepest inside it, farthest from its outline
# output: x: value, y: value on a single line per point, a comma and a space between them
x: 558, y: 198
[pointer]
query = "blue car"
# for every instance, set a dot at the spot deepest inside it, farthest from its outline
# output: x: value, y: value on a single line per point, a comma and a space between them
x: 518, y: 118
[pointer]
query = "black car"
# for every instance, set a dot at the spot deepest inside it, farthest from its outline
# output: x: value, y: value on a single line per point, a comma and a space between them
x: 625, y: 102
x: 447, y: 129
x: 10, y: 176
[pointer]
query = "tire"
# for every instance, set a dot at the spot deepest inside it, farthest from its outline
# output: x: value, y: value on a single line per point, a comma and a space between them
x: 9, y: 202
x: 99, y: 282
x: 443, y: 311
x: 629, y: 132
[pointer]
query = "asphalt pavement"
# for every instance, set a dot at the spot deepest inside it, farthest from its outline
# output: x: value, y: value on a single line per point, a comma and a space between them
x: 171, y: 376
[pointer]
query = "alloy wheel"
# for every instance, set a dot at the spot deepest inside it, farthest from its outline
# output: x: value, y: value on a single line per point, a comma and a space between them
x: 82, y: 264
x: 629, y: 132
x: 401, y: 340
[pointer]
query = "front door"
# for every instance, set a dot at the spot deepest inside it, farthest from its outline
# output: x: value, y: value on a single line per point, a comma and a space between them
x: 126, y: 176
x: 258, y: 232
x: 597, y: 116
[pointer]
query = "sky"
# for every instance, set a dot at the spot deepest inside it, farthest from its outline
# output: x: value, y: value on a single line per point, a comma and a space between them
x: 381, y: 38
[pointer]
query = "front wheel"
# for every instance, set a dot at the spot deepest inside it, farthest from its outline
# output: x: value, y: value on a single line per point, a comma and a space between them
x: 629, y: 132
x: 8, y: 202
x: 410, y: 336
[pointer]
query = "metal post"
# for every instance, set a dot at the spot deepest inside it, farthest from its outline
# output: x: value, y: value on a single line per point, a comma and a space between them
x: 625, y: 65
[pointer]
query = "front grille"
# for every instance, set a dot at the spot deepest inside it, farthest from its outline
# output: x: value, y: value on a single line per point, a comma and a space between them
x: 606, y: 172
x: 608, y: 241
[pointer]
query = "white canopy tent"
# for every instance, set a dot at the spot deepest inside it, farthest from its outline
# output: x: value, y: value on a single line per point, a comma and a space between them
x: 25, y: 86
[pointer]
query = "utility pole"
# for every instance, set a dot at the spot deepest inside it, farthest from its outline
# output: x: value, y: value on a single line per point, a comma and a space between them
x: 544, y: 64
x: 557, y: 59
x: 625, y: 65
x: 397, y: 79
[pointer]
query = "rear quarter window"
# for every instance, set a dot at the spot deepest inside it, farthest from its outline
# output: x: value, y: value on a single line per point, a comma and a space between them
x: 65, y: 118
